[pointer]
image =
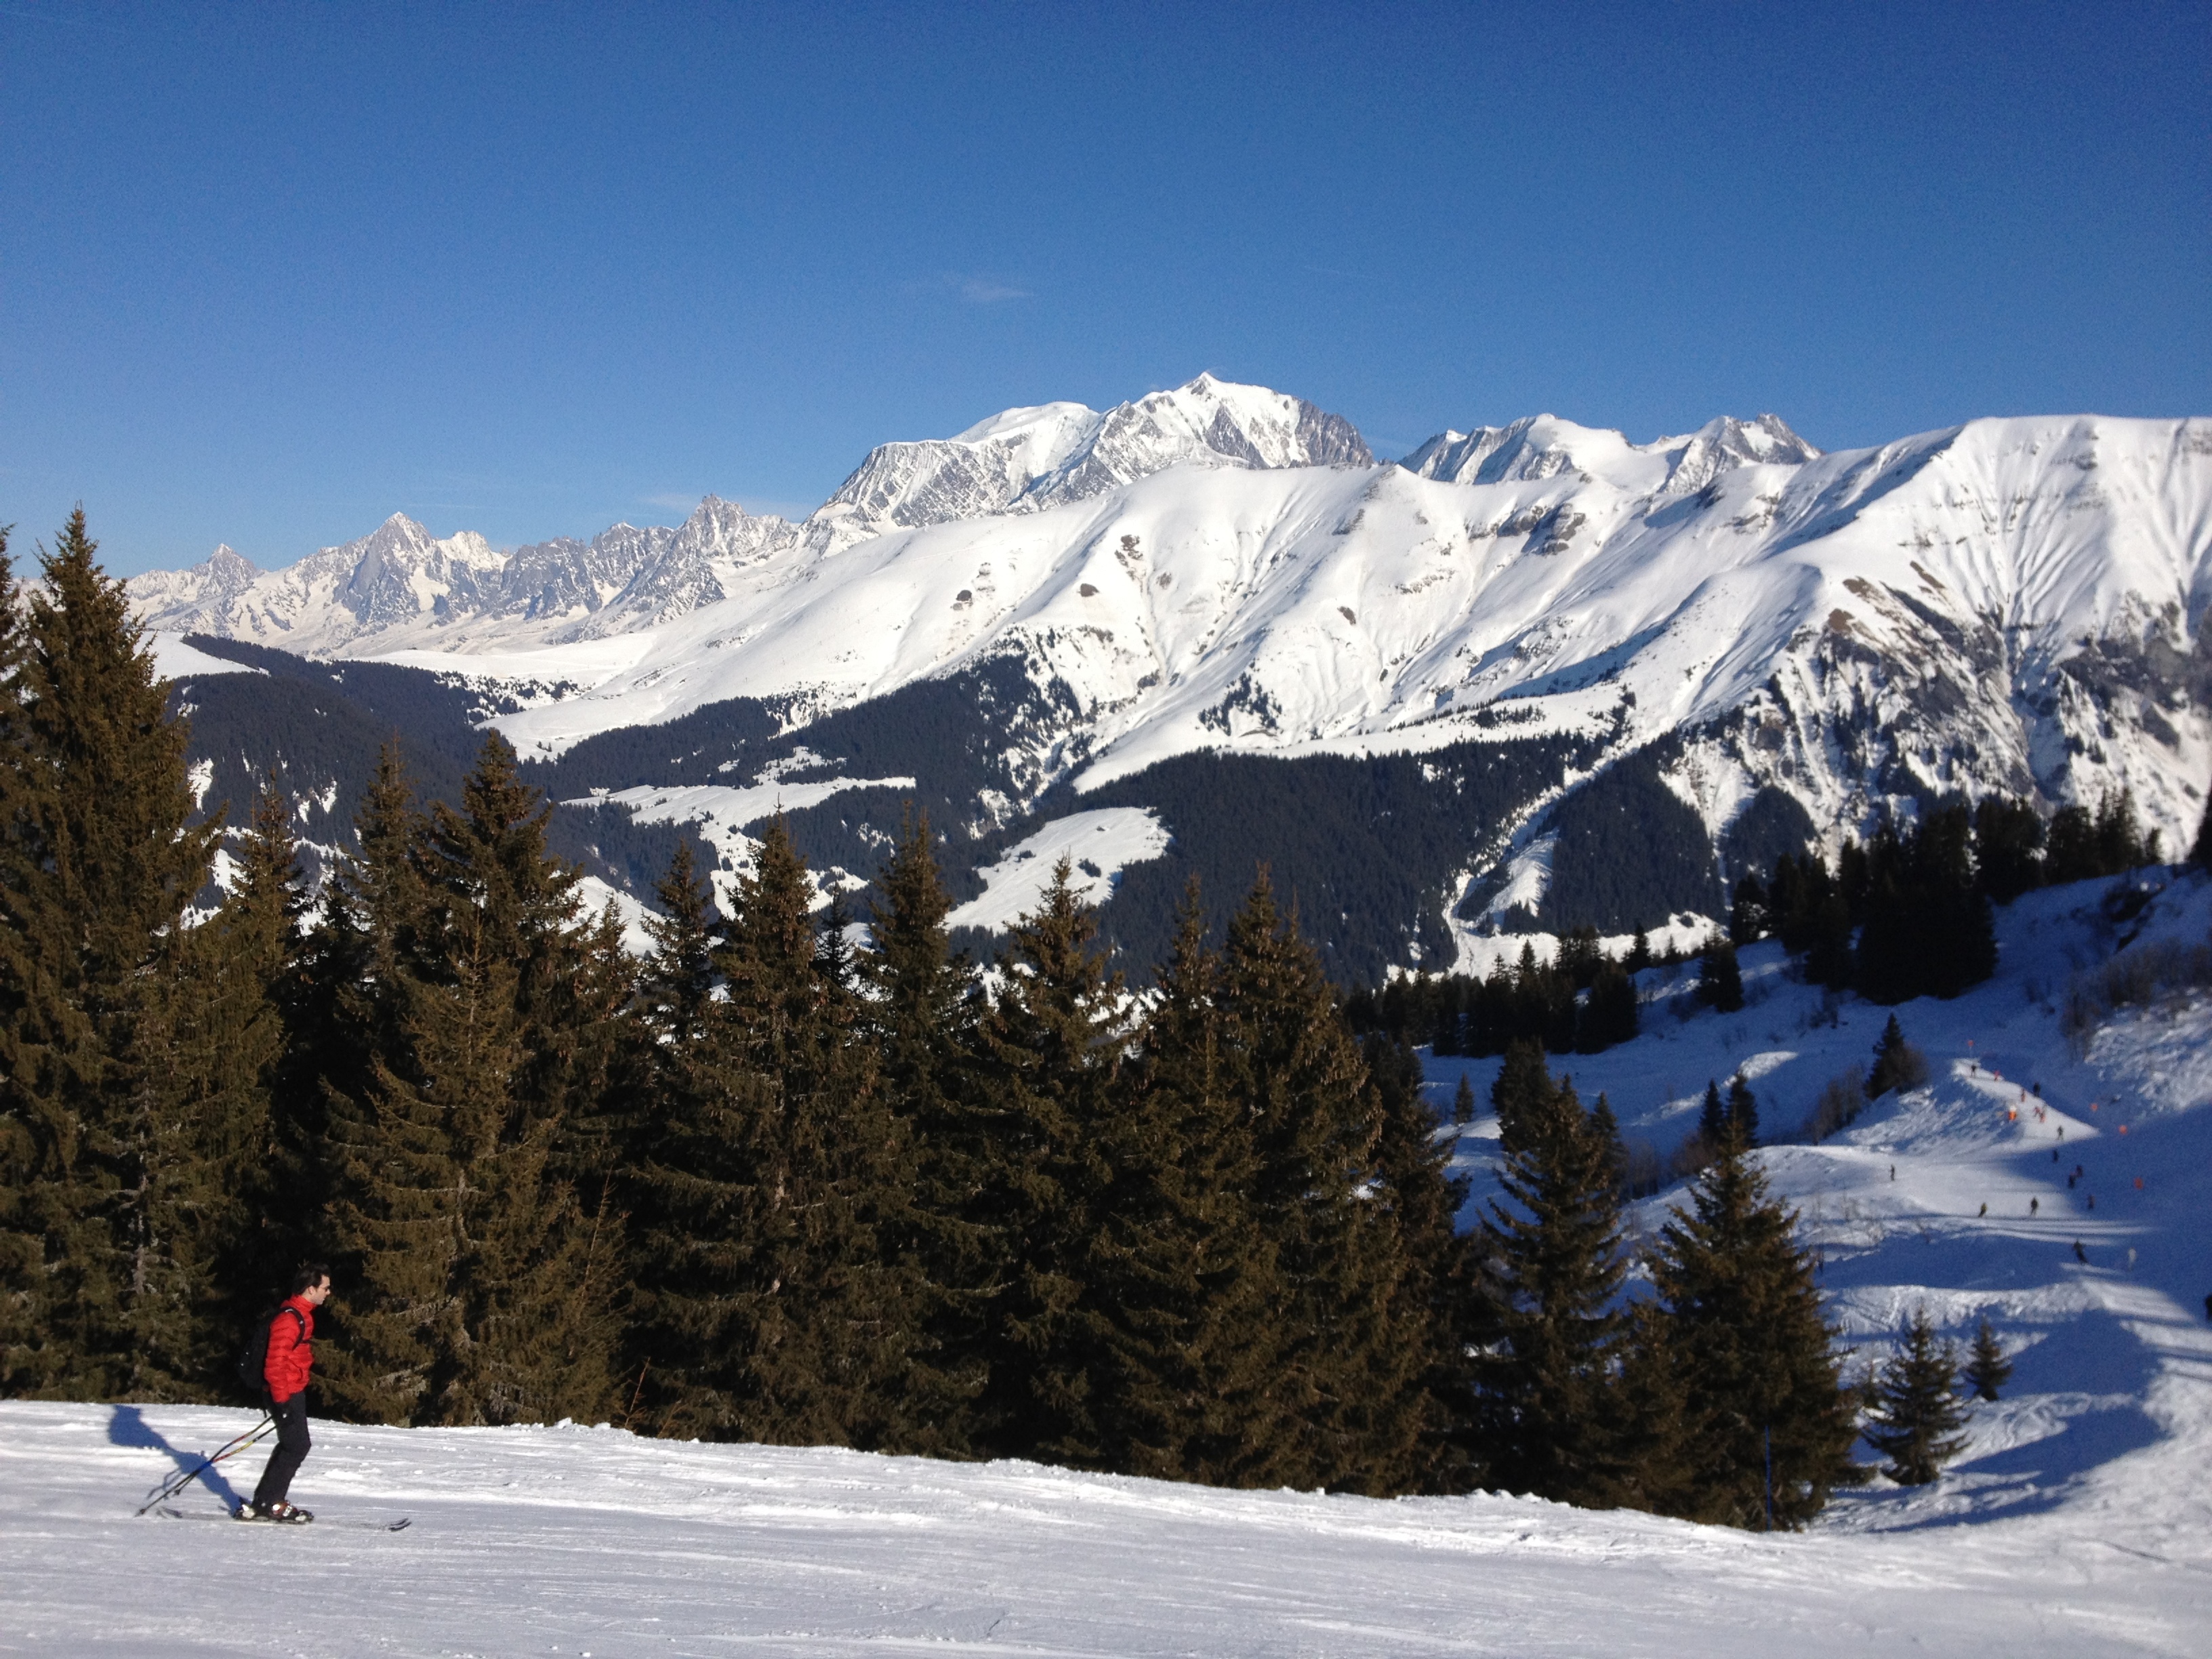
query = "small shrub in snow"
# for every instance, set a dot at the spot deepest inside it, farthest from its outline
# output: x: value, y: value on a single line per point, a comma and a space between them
x: 1841, y: 1101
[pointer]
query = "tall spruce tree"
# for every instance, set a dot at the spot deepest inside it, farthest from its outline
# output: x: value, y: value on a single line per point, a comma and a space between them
x: 1180, y: 1284
x: 921, y: 1018
x: 1439, y: 1308
x: 776, y: 1309
x: 831, y: 1330
x: 1987, y: 1370
x: 1550, y: 1418
x: 1743, y: 1110
x: 110, y: 1178
x: 1347, y: 1367
x: 215, y: 1037
x: 1052, y: 1048
x: 1756, y: 1360
x: 485, y: 1294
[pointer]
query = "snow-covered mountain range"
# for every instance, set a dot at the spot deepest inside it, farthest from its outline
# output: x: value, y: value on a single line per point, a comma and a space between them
x: 2012, y: 605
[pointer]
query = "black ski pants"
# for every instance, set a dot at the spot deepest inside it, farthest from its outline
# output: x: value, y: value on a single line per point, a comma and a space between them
x: 292, y: 1444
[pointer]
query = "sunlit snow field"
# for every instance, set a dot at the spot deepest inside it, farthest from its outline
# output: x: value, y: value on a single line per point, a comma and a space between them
x: 2077, y: 1521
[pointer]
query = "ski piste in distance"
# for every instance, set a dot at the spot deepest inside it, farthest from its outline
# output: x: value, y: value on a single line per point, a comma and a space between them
x: 400, y: 1525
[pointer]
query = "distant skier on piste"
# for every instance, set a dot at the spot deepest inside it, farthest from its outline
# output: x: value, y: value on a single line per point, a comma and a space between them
x: 291, y: 1356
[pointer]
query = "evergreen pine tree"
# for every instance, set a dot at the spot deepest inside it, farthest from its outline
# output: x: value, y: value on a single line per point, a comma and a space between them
x: 1609, y: 1015
x: 112, y: 1182
x: 216, y: 1027
x: 486, y: 1292
x: 2008, y: 847
x: 1720, y: 982
x: 1742, y: 1111
x: 1348, y: 1368
x: 921, y: 1017
x: 1712, y: 1117
x: 1180, y: 1283
x: 1988, y: 1369
x: 1897, y: 1064
x: 1463, y: 1101
x: 1439, y: 1310
x: 1916, y: 1412
x: 1549, y: 1419
x: 1749, y: 914
x: 782, y: 1315
x: 2200, y: 851
x: 1521, y: 1093
x: 1639, y: 952
x: 1759, y: 1371
x: 1052, y: 1046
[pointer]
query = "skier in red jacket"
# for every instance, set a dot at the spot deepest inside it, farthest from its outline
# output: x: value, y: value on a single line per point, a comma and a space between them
x: 291, y: 1356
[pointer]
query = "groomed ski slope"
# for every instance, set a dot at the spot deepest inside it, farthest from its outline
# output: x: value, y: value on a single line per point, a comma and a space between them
x: 2077, y: 1522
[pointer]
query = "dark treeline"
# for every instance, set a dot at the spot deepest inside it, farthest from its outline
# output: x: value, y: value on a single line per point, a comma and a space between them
x: 1582, y: 1001
x: 766, y: 1185
x: 1909, y: 914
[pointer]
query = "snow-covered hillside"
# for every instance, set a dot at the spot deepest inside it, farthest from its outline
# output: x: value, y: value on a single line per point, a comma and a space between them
x: 2077, y: 1522
x: 2012, y: 605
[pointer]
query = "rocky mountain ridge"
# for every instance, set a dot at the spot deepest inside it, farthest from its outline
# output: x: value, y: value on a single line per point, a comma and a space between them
x: 1783, y: 645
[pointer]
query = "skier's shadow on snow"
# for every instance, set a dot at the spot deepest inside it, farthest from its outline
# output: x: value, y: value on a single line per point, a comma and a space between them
x: 128, y: 1427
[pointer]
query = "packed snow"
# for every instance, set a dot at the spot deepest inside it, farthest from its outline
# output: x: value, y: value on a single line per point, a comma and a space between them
x: 1097, y: 845
x: 2077, y: 1521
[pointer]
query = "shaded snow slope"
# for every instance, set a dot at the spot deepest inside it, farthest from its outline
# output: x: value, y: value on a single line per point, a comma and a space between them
x: 1957, y: 1198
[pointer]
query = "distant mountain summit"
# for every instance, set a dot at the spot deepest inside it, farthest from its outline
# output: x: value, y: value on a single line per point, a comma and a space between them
x: 1727, y: 640
x: 1025, y: 460
x: 400, y: 588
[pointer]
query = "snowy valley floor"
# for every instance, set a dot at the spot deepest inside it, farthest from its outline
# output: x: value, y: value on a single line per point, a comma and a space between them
x: 2078, y: 1522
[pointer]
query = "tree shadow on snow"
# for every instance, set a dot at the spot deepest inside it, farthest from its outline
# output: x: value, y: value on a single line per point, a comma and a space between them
x: 2107, y: 1369
x: 128, y: 1427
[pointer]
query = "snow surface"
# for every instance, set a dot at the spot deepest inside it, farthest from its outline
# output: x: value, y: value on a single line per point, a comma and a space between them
x: 2077, y: 1522
x: 598, y: 895
x: 174, y: 660
x: 2006, y: 605
x: 722, y: 813
x: 1100, y: 844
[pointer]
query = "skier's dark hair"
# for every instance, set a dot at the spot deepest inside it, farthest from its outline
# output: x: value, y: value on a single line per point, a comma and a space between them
x: 311, y: 1273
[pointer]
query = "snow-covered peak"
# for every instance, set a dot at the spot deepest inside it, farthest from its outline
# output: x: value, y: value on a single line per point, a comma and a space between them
x: 1207, y: 423
x: 1540, y: 446
x: 1722, y: 445
x: 1049, y: 454
x: 1057, y: 427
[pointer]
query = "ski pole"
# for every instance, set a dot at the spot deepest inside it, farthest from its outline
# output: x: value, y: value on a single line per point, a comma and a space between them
x: 183, y: 1478
x: 177, y: 1482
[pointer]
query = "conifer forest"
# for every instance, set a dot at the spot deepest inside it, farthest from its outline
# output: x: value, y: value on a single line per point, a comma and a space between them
x: 764, y: 1184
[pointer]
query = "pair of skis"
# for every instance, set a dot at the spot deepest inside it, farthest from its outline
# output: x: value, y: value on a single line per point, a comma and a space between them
x: 176, y: 1483
x: 400, y: 1525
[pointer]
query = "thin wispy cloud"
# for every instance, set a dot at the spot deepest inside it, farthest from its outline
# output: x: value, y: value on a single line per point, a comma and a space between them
x: 982, y: 291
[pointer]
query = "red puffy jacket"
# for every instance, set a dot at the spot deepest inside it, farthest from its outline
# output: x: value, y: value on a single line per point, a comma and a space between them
x: 291, y: 1349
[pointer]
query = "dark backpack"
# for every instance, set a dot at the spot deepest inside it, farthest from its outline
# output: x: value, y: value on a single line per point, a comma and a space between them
x: 253, y: 1362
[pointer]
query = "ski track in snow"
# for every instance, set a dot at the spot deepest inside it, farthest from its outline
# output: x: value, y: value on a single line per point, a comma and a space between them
x: 2076, y: 1521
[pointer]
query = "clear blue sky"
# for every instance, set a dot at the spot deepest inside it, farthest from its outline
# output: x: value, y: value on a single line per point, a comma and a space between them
x: 268, y: 274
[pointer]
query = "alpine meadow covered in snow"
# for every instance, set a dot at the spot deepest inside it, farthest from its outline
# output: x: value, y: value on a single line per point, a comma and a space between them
x: 1111, y: 830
